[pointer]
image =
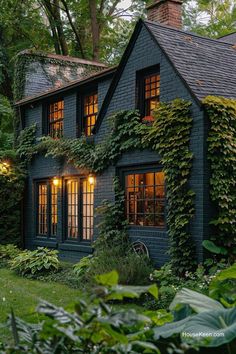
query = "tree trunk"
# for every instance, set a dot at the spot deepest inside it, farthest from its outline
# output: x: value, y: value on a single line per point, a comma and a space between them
x: 95, y: 29
x: 59, y: 26
x: 74, y: 29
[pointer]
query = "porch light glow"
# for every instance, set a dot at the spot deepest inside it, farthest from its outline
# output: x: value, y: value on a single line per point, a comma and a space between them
x: 56, y: 181
x: 91, y: 179
x: 4, y: 166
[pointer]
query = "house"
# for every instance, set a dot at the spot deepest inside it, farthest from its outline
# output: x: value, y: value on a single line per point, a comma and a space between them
x: 161, y: 62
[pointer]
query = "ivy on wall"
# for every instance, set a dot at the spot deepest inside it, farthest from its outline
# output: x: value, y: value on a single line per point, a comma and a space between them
x: 169, y: 136
x: 23, y: 60
x: 222, y: 156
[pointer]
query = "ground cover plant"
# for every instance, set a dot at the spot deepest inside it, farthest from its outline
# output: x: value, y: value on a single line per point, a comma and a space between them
x: 96, y: 326
x: 23, y: 295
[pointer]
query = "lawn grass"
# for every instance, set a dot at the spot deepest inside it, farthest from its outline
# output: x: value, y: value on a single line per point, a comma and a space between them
x: 23, y: 295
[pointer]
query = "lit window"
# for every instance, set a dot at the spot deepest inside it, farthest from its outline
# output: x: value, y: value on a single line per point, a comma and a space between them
x: 145, y: 198
x: 152, y: 93
x: 42, y: 209
x: 55, y: 119
x: 47, y: 209
x: 54, y: 211
x: 148, y: 94
x: 90, y: 111
x: 79, y: 204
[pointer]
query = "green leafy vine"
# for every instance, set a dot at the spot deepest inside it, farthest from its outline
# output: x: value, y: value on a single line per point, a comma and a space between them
x: 169, y: 136
x: 222, y: 156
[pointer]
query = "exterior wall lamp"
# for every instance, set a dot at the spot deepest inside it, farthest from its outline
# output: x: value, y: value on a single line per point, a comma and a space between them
x: 91, y: 179
x: 56, y: 181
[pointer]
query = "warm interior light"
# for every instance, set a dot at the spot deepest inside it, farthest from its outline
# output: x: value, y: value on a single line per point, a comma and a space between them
x: 91, y: 179
x: 56, y: 181
x: 4, y: 166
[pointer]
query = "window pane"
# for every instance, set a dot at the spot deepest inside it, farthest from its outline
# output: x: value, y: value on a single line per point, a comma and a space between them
x: 88, y: 205
x: 54, y: 210
x: 152, y: 93
x: 145, y: 198
x: 90, y: 113
x: 72, y: 187
x: 56, y: 116
x: 42, y: 209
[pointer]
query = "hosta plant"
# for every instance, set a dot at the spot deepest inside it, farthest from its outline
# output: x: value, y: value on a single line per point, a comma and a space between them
x: 35, y: 262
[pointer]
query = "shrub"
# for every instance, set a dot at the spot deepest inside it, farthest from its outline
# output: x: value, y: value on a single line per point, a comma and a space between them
x: 9, y: 251
x: 169, y: 283
x: 83, y: 266
x: 37, y: 261
x: 98, y: 327
x: 133, y: 269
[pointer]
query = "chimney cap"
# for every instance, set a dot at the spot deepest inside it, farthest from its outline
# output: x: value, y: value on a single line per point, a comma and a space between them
x: 157, y: 2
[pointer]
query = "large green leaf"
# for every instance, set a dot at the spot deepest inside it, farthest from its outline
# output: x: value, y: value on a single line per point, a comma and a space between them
x: 119, y: 292
x: 211, y: 247
x: 108, y: 279
x: 229, y: 273
x: 170, y: 329
x: 219, y: 327
x: 210, y: 328
x: 223, y: 286
x: 197, y: 301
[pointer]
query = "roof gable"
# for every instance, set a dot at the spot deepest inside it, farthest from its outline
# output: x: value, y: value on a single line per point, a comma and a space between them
x: 206, y: 65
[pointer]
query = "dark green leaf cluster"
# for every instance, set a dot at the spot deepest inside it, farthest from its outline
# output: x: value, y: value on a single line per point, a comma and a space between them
x: 98, y: 327
x: 125, y: 136
x: 37, y: 261
x: 170, y: 137
x: 222, y: 157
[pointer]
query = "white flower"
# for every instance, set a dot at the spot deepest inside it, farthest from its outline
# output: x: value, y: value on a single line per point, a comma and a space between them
x: 3, y: 299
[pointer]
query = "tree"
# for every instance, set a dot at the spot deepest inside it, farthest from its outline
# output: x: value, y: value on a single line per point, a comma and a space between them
x: 211, y: 18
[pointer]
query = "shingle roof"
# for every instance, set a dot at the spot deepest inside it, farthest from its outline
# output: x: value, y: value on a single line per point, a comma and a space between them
x: 208, y: 66
x: 229, y: 38
x: 71, y: 85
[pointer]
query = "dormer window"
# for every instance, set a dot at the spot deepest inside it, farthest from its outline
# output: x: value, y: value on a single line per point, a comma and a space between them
x: 90, y: 111
x: 148, y: 93
x: 55, y: 119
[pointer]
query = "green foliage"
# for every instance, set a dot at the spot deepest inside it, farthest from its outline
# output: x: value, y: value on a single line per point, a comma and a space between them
x: 222, y: 287
x: 169, y: 283
x: 11, y: 192
x: 211, y: 247
x: 94, y: 327
x: 222, y: 158
x: 170, y: 137
x: 37, y: 261
x: 80, y: 268
x: 12, y: 182
x: 125, y: 136
x: 210, y: 18
x: 112, y: 248
x: 9, y: 251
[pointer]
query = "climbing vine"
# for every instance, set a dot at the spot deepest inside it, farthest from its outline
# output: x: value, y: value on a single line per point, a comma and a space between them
x: 23, y: 60
x: 126, y: 134
x: 170, y: 137
x: 222, y: 158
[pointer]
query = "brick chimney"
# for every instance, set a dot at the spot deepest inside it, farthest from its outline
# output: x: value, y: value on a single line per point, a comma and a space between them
x: 168, y: 12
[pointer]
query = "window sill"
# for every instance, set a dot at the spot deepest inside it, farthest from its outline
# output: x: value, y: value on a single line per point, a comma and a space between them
x: 80, y: 247
x: 147, y: 228
x: 44, y: 242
